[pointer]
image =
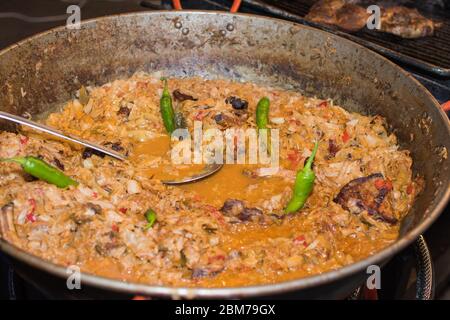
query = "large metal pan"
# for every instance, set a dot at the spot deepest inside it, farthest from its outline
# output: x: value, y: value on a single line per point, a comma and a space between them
x: 45, y: 70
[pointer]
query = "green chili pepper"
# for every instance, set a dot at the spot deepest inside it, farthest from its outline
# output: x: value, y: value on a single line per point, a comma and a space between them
x: 166, y: 108
x: 42, y: 170
x: 262, y: 118
x: 304, y: 183
x: 262, y: 113
x: 150, y: 216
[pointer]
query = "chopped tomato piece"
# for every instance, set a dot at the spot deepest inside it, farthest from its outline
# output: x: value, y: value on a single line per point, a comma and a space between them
x: 379, y: 184
x: 323, y: 104
x: 410, y: 189
x: 215, y: 213
x: 294, y: 158
x: 24, y: 140
x: 94, y: 194
x: 345, y: 136
x: 388, y: 184
x: 115, y: 228
x: 300, y: 240
x: 201, y: 115
x: 32, y: 204
x: 123, y: 210
x: 383, y: 184
x: 210, y: 208
x: 215, y: 258
x: 30, y: 215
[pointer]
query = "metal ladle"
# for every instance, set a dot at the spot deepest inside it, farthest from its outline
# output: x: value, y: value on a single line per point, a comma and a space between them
x: 208, y: 170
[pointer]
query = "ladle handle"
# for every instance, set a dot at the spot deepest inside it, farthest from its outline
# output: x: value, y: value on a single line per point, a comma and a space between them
x: 59, y: 134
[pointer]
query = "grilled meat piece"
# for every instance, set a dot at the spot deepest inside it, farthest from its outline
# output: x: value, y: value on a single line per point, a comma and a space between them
x: 201, y: 273
x: 124, y: 111
x: 232, y: 207
x: 342, y: 13
x: 114, y: 145
x: 236, y: 209
x: 206, y: 272
x: 86, y: 214
x: 209, y: 264
x: 333, y: 148
x: 406, y: 23
x: 88, y: 152
x: 324, y: 11
x: 250, y: 214
x: 179, y: 96
x: 198, y: 273
x: 367, y: 194
x: 237, y: 103
x: 58, y: 164
x: 351, y: 15
x: 226, y: 121
x: 110, y: 244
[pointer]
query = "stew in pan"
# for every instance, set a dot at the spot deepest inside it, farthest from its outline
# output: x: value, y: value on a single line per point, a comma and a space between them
x: 117, y: 219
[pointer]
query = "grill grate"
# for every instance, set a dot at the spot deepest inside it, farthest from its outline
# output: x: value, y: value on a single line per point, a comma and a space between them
x: 430, y: 54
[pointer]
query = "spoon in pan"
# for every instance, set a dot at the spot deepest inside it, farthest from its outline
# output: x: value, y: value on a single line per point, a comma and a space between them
x: 207, y: 171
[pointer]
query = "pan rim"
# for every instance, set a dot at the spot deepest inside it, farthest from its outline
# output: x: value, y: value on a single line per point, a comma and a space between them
x: 246, y: 291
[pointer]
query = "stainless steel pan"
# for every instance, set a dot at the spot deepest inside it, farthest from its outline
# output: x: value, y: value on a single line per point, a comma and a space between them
x: 43, y: 71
